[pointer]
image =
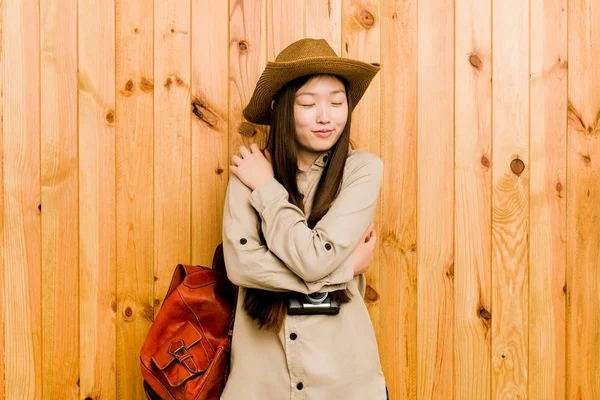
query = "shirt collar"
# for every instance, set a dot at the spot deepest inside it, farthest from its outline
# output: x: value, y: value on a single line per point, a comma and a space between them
x: 320, y: 162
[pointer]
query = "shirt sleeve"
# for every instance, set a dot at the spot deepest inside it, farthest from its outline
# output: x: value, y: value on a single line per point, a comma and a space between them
x: 321, y: 252
x: 249, y: 262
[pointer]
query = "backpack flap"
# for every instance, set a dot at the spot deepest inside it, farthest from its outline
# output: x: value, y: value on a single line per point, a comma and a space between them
x: 183, y: 356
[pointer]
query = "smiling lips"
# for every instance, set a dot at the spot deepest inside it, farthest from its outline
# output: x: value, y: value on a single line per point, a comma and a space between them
x: 323, y: 133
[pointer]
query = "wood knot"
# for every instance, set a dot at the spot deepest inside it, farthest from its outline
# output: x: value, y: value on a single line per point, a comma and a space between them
x: 128, y: 312
x: 559, y: 187
x: 366, y: 18
x: 371, y: 294
x: 202, y: 112
x: 517, y: 166
x: 147, y: 312
x: 146, y: 85
x: 172, y: 30
x: 476, y: 61
x: 563, y: 63
x: 110, y: 116
x: 40, y: 208
x: 113, y: 305
x: 136, y: 30
x: 246, y: 129
x: 565, y: 289
x: 219, y: 171
x: 168, y: 83
x: 128, y: 88
x: 485, y: 161
x: 586, y: 159
x: 450, y: 271
x: 485, y: 314
x: 179, y: 81
x: 243, y: 46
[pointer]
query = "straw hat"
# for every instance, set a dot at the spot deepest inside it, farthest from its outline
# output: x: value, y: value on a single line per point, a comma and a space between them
x: 306, y: 57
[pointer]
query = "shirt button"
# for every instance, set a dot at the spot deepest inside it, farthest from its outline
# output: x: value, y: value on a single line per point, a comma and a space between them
x: 327, y: 246
x: 293, y: 336
x: 243, y: 241
x: 299, y: 386
x: 325, y: 158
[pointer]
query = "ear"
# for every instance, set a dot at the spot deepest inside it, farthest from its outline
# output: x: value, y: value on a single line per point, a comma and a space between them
x: 272, y: 102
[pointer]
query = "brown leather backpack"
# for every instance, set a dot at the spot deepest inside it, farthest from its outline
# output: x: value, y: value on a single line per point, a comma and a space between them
x: 186, y: 352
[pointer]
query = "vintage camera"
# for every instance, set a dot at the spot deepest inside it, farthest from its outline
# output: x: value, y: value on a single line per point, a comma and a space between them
x: 314, y: 303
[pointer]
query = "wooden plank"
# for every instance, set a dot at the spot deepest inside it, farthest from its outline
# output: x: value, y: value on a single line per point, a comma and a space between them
x: 323, y: 20
x: 2, y: 251
x: 247, y: 60
x: 134, y: 189
x: 97, y: 268
x: 60, y: 216
x: 210, y: 127
x: 285, y: 24
x: 547, y: 300
x: 397, y: 232
x: 472, y: 215
x: 361, y: 41
x: 172, y: 155
x: 510, y: 198
x: 22, y: 225
x: 435, y: 199
x: 583, y: 200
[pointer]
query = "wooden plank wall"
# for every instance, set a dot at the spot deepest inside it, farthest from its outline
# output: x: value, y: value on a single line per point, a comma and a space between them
x: 120, y: 119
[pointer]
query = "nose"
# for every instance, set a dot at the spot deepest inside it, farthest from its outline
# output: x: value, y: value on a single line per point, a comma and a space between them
x: 323, y: 115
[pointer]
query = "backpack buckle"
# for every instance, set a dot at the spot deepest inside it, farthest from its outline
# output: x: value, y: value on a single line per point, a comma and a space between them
x: 183, y: 355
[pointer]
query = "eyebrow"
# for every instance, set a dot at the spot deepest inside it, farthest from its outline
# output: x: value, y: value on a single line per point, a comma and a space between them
x: 312, y: 93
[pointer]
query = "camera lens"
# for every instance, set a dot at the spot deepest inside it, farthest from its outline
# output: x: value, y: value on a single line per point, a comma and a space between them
x: 317, y: 298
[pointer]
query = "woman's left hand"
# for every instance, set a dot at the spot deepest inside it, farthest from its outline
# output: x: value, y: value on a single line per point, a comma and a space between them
x: 252, y: 167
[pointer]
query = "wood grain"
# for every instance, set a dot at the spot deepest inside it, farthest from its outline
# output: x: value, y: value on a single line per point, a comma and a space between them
x: 583, y: 202
x: 361, y: 28
x: 21, y: 181
x: 97, y: 266
x: 210, y: 126
x: 172, y: 142
x: 2, y: 249
x: 397, y: 233
x: 285, y: 24
x: 134, y: 68
x: 59, y: 183
x: 435, y: 200
x: 247, y: 60
x: 323, y: 20
x: 473, y: 313
x: 547, y: 259
x: 510, y: 199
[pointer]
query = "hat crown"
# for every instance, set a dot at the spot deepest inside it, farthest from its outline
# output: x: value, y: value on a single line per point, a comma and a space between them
x: 306, y: 48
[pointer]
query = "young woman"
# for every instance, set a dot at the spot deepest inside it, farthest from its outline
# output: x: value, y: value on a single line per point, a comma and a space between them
x: 298, y: 221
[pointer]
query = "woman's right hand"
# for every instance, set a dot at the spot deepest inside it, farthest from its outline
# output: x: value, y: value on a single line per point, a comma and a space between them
x: 363, y: 253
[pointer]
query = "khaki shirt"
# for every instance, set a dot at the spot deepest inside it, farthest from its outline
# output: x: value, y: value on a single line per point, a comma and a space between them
x: 314, y: 357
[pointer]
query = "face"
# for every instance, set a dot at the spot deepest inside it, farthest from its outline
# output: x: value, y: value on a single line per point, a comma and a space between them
x: 320, y: 115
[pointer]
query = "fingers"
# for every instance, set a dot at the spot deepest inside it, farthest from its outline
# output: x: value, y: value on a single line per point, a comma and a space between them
x: 373, y: 237
x: 244, y: 151
x: 236, y: 160
x: 254, y: 148
x: 267, y: 154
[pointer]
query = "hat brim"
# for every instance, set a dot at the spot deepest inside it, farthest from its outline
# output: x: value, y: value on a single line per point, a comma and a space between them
x: 276, y: 74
